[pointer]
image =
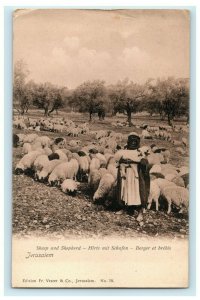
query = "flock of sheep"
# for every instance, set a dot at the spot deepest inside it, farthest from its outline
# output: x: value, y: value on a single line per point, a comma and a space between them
x: 58, y: 163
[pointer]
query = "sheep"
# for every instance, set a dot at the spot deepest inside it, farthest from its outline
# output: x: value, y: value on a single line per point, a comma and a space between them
x: 179, y: 196
x: 165, y: 153
x: 155, y: 169
x: 112, y: 167
x: 47, y: 151
x: 69, y: 186
x: 36, y: 145
x: 102, y: 159
x: 30, y: 138
x: 40, y: 162
x: 58, y: 174
x: 95, y: 164
x: 27, y: 161
x: 21, y: 137
x: 183, y: 171
x: 178, y: 180
x: 60, y: 142
x: 84, y: 164
x: 144, y: 150
x: 163, y: 183
x: 145, y: 134
x: 44, y: 140
x: 155, y: 158
x: 72, y: 169
x: 105, y: 185
x: 95, y: 177
x: 61, y: 154
x: 47, y: 169
x: 27, y: 147
x: 154, y: 194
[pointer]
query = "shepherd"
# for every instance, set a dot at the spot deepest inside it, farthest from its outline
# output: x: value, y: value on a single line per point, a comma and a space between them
x: 133, y: 180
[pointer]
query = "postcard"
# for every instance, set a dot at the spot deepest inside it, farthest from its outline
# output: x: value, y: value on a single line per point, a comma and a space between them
x: 100, y: 148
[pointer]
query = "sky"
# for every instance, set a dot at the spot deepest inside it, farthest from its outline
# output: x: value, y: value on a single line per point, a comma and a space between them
x: 68, y: 47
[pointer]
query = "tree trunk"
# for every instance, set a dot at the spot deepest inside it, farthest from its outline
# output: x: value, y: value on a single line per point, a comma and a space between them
x: 90, y: 119
x: 51, y: 110
x: 129, y: 118
x: 169, y: 119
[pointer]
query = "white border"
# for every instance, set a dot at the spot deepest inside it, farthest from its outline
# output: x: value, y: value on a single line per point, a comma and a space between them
x: 82, y: 3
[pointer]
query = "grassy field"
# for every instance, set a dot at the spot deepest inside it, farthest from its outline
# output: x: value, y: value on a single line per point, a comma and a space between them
x: 39, y: 209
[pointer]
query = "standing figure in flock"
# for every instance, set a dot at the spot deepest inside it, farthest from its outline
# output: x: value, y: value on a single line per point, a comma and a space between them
x: 133, y: 180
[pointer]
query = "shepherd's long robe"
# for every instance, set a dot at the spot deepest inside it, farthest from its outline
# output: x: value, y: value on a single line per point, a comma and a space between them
x: 133, y: 180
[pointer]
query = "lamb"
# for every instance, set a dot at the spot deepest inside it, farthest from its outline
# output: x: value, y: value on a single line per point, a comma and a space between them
x: 154, y: 194
x: 105, y: 185
x: 69, y: 186
x: 177, y: 195
x: 27, y: 161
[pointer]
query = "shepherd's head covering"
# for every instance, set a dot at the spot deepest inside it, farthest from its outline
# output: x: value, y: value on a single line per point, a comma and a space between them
x: 133, y: 142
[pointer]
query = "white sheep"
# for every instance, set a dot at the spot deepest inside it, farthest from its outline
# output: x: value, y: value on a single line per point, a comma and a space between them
x: 95, y: 164
x: 40, y: 162
x: 155, y: 158
x: 163, y: 183
x: 72, y: 169
x: 58, y: 174
x: 30, y: 138
x: 154, y: 194
x: 102, y: 159
x: 27, y: 161
x: 69, y: 186
x: 61, y: 154
x: 47, y: 169
x: 177, y: 195
x: 105, y: 185
x: 95, y: 177
x: 44, y: 140
x: 145, y: 134
x: 27, y: 147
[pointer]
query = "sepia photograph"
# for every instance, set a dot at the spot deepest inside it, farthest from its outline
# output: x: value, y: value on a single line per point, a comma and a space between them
x: 100, y: 148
